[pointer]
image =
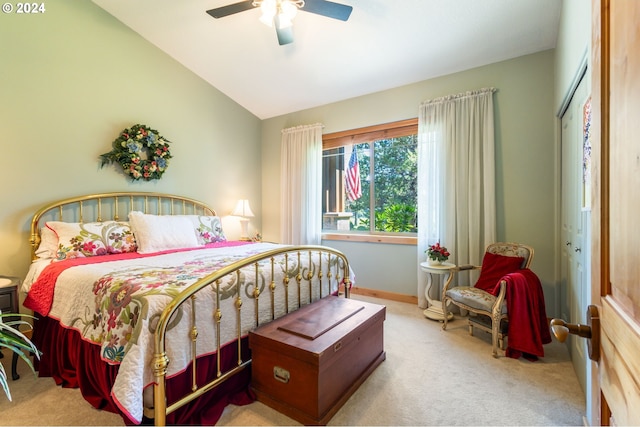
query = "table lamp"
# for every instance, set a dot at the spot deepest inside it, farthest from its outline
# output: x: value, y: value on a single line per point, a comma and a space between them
x: 243, y: 210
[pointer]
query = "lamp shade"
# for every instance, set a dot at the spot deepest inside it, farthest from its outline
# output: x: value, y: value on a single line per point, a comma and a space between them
x: 242, y: 209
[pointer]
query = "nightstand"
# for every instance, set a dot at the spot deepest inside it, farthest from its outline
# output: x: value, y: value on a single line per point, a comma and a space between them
x: 9, y: 304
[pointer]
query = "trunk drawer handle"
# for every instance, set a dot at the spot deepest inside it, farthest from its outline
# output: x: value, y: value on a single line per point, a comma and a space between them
x: 281, y: 374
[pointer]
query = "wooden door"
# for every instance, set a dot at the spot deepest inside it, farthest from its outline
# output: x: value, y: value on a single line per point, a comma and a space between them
x: 616, y: 209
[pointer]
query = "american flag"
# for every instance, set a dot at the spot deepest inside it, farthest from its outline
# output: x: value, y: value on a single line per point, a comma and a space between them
x: 352, y: 178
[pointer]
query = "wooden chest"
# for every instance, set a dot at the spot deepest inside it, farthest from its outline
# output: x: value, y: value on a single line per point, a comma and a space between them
x: 308, y: 363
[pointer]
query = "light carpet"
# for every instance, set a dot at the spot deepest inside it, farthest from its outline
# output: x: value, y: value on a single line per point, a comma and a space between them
x: 430, y: 377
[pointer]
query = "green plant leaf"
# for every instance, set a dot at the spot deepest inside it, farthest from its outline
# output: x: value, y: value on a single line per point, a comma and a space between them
x: 13, y: 339
x: 3, y: 381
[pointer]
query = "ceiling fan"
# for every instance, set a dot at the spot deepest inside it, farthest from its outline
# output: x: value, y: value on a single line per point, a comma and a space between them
x: 279, y: 13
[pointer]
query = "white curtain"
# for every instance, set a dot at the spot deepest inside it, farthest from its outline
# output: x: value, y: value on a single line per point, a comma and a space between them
x: 456, y: 179
x: 301, y: 185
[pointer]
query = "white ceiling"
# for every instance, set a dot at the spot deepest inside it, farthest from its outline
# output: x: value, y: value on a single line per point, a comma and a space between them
x: 384, y: 44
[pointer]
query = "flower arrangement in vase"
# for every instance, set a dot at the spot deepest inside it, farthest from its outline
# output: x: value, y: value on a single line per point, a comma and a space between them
x: 437, y: 254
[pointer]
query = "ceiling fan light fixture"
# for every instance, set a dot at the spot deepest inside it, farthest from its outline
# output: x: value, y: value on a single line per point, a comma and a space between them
x: 280, y: 13
x: 268, y: 9
x: 285, y: 10
x: 288, y: 8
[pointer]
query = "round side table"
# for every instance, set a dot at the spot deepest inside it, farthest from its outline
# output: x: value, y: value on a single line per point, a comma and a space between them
x: 434, y: 311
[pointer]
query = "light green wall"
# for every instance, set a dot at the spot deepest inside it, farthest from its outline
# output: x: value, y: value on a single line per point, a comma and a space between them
x: 525, y: 162
x: 73, y: 77
x: 70, y: 80
x: 572, y: 48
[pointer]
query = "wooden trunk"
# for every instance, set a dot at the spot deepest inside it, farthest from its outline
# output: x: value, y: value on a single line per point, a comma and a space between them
x: 309, y: 362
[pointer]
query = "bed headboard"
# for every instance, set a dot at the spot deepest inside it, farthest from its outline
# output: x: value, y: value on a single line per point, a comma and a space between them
x: 112, y: 206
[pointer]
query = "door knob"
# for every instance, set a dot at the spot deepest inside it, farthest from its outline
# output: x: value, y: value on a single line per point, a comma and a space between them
x: 590, y: 331
x: 578, y: 249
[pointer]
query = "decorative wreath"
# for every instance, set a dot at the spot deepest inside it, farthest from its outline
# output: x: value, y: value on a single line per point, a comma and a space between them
x: 141, y: 151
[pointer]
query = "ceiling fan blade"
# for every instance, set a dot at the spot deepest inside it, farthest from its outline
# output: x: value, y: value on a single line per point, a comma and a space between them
x: 230, y: 9
x: 285, y: 35
x: 328, y: 9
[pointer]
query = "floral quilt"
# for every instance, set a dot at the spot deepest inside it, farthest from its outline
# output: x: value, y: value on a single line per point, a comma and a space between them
x: 117, y: 304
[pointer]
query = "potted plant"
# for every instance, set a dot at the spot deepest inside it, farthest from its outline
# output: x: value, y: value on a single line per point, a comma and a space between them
x: 437, y: 254
x: 13, y: 339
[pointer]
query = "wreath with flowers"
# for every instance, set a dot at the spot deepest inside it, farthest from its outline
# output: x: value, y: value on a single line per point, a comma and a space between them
x: 141, y: 151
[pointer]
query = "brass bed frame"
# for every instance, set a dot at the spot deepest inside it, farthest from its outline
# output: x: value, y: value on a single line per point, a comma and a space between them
x: 117, y: 205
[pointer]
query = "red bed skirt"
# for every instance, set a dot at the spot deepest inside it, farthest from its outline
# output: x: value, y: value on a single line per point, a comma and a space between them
x: 75, y: 363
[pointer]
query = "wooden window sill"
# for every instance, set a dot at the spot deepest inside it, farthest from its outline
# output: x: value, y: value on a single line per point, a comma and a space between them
x: 371, y: 238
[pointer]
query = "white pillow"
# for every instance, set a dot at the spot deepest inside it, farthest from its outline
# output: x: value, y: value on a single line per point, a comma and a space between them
x: 48, y: 244
x: 155, y: 233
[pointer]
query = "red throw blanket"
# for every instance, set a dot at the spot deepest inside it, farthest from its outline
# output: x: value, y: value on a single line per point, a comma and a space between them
x: 528, y: 328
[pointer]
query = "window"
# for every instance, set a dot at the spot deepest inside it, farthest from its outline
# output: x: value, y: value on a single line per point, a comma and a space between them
x: 369, y: 180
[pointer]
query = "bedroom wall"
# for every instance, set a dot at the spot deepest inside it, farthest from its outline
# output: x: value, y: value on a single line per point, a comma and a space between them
x: 525, y: 163
x: 71, y: 79
x: 573, y: 46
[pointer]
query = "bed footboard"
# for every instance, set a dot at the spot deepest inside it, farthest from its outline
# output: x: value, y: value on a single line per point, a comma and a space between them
x: 304, y: 273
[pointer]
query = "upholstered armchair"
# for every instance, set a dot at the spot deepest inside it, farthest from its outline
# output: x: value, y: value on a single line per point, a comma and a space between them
x: 485, y: 299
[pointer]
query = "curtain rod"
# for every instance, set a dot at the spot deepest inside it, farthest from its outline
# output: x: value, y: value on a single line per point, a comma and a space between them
x: 461, y: 95
x: 301, y: 127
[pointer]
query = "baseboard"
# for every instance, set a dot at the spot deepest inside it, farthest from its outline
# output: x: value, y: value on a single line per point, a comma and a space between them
x: 392, y: 296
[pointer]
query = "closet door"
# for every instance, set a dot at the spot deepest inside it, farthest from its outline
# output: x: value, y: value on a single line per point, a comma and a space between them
x: 574, y: 287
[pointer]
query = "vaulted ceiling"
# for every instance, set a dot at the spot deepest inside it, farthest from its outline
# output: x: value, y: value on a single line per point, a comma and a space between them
x: 384, y: 44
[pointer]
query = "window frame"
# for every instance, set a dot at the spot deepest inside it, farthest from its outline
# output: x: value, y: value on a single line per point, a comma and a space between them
x: 362, y: 135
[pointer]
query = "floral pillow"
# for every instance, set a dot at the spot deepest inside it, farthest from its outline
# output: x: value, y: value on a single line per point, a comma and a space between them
x: 79, y: 240
x: 208, y: 228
